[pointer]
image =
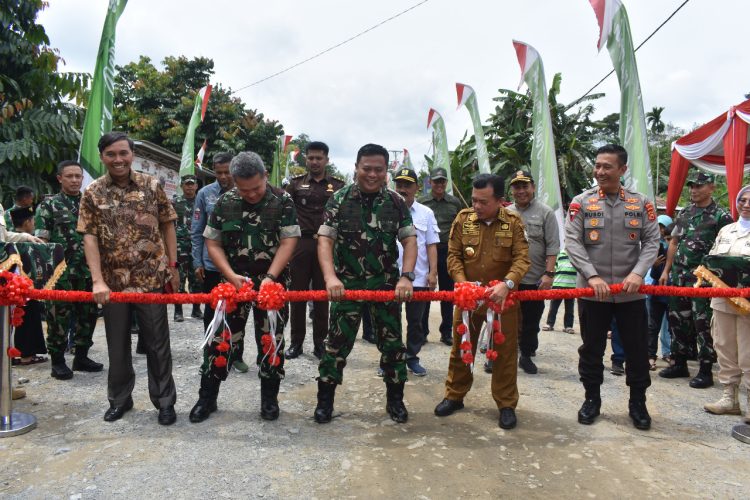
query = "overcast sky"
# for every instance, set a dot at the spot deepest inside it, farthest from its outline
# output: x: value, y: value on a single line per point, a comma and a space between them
x: 379, y: 87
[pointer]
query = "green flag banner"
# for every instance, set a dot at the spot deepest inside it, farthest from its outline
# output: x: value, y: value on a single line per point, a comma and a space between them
x: 187, y: 162
x: 614, y: 30
x: 441, y: 158
x: 467, y: 97
x: 98, y: 119
x: 279, y: 160
x: 543, y: 157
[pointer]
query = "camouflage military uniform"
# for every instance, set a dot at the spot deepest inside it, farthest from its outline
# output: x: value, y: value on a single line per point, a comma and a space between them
x: 365, y: 257
x: 250, y: 236
x: 184, y: 208
x: 690, y: 318
x: 56, y: 220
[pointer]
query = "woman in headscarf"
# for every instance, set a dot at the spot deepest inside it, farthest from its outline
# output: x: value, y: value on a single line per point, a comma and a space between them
x: 730, y: 329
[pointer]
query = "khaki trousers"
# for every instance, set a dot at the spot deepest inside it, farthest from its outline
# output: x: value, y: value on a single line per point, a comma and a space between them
x: 731, y: 333
x: 504, y: 369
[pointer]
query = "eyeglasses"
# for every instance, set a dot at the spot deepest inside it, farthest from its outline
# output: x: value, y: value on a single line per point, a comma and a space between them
x: 743, y: 201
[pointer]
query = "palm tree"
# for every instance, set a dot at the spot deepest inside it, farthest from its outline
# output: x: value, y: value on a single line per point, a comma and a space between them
x: 653, y: 118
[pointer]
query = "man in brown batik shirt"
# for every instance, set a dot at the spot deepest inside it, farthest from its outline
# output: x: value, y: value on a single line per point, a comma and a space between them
x: 130, y: 245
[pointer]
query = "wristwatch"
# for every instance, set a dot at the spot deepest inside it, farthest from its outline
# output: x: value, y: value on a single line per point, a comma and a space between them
x: 267, y: 275
x: 549, y: 274
x: 510, y: 284
x: 410, y: 276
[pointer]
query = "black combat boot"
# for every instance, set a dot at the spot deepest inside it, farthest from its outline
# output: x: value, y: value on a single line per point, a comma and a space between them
x: 60, y: 370
x: 207, y: 395
x: 395, y: 402
x: 178, y: 313
x: 269, y: 402
x: 197, y: 314
x: 324, y: 410
x: 704, y: 378
x: 677, y: 370
x: 82, y: 362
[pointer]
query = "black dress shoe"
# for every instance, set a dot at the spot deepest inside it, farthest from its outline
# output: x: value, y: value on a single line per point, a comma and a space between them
x: 293, y: 352
x: 527, y: 365
x: 202, y: 410
x: 447, y: 340
x: 60, y: 371
x: 507, y: 418
x: 675, y: 371
x: 589, y: 411
x: 319, y: 351
x: 82, y: 363
x: 448, y: 407
x: 639, y: 415
x: 167, y: 416
x: 116, y: 412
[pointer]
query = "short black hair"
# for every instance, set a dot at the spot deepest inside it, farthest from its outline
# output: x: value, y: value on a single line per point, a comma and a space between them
x: 614, y: 149
x: 372, y: 150
x: 20, y: 215
x: 222, y: 158
x: 481, y: 181
x: 67, y: 163
x: 23, y: 191
x: 317, y: 146
x: 113, y: 137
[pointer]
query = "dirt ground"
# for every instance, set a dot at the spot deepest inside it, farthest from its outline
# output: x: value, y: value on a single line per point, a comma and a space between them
x: 362, y: 454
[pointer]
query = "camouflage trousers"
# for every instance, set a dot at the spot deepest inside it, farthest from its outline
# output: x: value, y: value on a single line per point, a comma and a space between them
x: 187, y: 273
x: 344, y: 324
x: 237, y: 321
x: 690, y: 321
x: 62, y: 316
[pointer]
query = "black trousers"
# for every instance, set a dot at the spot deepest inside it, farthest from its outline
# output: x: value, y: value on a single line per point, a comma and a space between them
x: 414, y: 330
x: 154, y: 333
x: 595, y: 319
x: 210, y: 280
x: 445, y: 283
x: 531, y: 315
x: 305, y: 271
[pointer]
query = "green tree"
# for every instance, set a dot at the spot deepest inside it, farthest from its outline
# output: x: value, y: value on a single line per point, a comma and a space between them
x: 40, y: 117
x: 156, y: 105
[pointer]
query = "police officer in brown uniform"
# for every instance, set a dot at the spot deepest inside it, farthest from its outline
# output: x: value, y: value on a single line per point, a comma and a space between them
x: 310, y: 193
x: 612, y: 236
x: 486, y: 243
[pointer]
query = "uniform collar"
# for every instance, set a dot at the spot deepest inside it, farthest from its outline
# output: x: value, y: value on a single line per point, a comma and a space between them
x: 356, y: 193
x: 603, y: 195
x: 110, y: 181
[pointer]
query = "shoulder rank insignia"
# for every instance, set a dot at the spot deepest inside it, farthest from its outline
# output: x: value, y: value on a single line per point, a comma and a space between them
x: 650, y: 210
x: 573, y: 210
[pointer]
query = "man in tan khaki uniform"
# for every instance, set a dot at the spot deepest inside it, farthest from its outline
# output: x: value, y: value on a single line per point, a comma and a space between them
x: 487, y: 242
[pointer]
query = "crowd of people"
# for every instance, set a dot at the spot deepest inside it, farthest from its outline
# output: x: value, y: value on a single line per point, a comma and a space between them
x: 123, y: 234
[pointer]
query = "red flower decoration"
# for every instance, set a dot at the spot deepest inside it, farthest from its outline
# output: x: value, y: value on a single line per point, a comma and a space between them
x: 266, y: 340
x: 491, y: 355
x: 226, y: 335
x: 466, y: 295
x: 467, y: 358
x: 466, y: 345
x: 461, y: 329
x: 13, y: 352
x: 226, y: 292
x: 17, y: 317
x: 267, y: 349
x: 271, y: 296
x: 495, y: 326
x: 223, y: 346
x: 220, y: 362
x: 499, y: 338
x: 14, y: 289
x: 275, y: 360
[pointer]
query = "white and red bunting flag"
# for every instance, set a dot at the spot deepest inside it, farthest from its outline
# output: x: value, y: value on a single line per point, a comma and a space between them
x: 441, y: 157
x: 543, y: 158
x: 201, y: 153
x: 614, y: 32
x: 467, y: 97
x: 187, y: 162
x: 287, y: 140
x: 407, y: 160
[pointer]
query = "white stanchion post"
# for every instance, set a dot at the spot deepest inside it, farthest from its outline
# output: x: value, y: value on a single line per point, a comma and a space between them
x: 11, y: 424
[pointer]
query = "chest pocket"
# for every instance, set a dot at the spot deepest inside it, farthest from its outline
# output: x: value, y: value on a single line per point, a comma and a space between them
x: 62, y: 217
x: 231, y: 233
x: 534, y: 231
x: 502, y: 249
x: 350, y: 217
x: 270, y: 217
x: 633, y: 225
x: 388, y: 218
x: 471, y: 247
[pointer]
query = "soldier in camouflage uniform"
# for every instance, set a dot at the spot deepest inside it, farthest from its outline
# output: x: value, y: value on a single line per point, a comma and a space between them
x: 183, y: 205
x: 357, y: 250
x: 690, y: 318
x: 56, y: 220
x: 24, y: 197
x: 251, y: 234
